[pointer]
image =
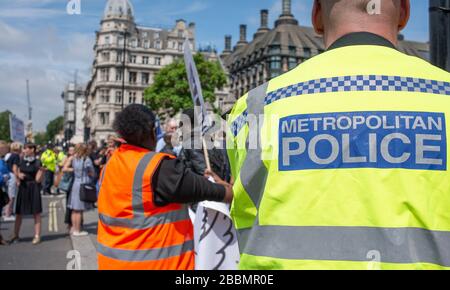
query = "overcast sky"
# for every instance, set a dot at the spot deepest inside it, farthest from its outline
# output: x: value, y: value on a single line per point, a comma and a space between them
x: 40, y: 42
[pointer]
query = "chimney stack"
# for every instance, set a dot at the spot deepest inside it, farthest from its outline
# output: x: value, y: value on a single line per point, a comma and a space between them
x: 227, y: 43
x: 243, y: 33
x: 286, y: 16
x: 264, y: 18
x: 264, y: 24
x: 242, y: 36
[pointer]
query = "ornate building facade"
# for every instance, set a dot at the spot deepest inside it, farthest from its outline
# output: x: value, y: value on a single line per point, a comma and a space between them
x: 127, y: 57
x: 274, y: 51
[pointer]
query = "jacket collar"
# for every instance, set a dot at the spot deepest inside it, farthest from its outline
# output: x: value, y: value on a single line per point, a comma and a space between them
x: 361, y: 38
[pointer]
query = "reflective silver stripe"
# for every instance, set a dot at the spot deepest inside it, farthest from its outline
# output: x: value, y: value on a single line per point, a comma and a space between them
x: 145, y: 255
x: 143, y: 222
x: 394, y: 245
x: 253, y: 172
x: 243, y: 235
x: 138, y: 203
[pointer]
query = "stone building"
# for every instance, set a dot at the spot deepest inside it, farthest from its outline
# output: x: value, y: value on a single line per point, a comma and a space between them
x: 440, y: 33
x: 127, y: 57
x: 274, y: 51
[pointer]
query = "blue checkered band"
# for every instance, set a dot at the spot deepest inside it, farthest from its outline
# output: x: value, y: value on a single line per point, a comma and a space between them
x: 360, y: 83
x: 239, y: 123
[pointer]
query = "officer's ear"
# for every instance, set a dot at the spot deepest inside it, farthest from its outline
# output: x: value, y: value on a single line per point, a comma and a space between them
x: 405, y: 13
x: 317, y: 19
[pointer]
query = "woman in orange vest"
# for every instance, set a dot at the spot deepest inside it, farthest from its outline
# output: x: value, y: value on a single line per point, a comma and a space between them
x: 143, y: 222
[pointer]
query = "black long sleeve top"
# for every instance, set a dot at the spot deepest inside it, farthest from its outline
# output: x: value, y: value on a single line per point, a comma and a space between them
x: 174, y: 182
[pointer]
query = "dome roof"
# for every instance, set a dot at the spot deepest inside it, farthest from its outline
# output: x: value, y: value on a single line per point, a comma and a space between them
x: 118, y: 9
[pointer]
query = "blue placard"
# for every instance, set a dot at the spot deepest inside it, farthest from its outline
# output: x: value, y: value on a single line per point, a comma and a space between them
x: 408, y: 140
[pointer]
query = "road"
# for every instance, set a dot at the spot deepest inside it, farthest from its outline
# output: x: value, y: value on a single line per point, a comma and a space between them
x: 57, y: 251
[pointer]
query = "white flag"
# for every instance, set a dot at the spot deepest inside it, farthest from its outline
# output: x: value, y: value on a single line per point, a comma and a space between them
x: 215, y: 238
x: 196, y: 88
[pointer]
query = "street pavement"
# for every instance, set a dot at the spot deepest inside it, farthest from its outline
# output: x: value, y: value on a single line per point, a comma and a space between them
x: 57, y: 250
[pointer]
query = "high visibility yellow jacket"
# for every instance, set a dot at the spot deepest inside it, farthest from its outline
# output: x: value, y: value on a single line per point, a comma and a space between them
x: 48, y: 160
x: 61, y: 158
x: 350, y: 166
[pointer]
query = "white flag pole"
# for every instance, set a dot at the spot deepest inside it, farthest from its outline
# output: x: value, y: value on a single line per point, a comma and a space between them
x: 197, y: 96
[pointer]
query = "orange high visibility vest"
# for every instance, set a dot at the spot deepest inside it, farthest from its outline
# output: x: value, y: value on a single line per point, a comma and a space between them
x: 133, y: 233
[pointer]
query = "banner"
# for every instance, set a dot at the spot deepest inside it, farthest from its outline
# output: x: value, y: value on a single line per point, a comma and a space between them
x: 17, y: 129
x: 215, y: 238
x: 196, y: 88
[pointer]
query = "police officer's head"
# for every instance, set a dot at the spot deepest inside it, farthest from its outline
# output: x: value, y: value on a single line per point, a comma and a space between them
x: 136, y: 124
x: 336, y: 18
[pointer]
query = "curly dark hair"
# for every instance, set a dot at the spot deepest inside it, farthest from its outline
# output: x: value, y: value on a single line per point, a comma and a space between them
x: 135, y: 124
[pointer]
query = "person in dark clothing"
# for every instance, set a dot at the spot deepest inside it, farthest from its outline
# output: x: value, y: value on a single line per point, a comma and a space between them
x: 97, y: 159
x: 195, y: 158
x: 174, y: 181
x: 29, y: 200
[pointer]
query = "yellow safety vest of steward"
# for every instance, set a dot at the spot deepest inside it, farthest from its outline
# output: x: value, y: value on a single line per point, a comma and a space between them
x: 342, y: 163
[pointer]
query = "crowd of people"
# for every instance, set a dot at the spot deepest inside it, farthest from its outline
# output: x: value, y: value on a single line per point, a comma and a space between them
x: 29, y: 171
x: 33, y: 171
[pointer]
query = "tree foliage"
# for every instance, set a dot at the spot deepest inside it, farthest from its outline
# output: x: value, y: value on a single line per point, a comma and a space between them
x: 40, y: 138
x: 170, y: 90
x: 4, y: 126
x: 54, y: 127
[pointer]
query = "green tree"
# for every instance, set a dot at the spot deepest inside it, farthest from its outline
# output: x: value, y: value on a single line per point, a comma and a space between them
x: 54, y: 127
x: 4, y: 126
x: 170, y: 90
x: 40, y: 138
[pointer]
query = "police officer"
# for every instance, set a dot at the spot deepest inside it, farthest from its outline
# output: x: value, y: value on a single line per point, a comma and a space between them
x: 143, y: 222
x: 348, y: 166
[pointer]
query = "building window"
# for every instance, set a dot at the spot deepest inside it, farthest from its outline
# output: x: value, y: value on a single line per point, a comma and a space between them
x: 119, y: 57
x: 158, y: 45
x: 134, y: 43
x: 180, y: 46
x: 145, y: 34
x: 104, y: 74
x: 145, y: 60
x: 157, y: 61
x: 132, y: 58
x: 275, y: 62
x: 118, y: 97
x: 180, y: 33
x: 156, y: 35
x: 119, y: 75
x: 292, y: 50
x: 275, y: 66
x: 104, y: 118
x: 132, y: 97
x: 104, y: 96
x: 145, y: 78
x: 146, y: 44
x: 292, y: 62
x: 107, y: 40
x: 307, y: 52
x: 106, y: 56
x: 276, y: 49
x: 120, y: 40
x: 132, y: 77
